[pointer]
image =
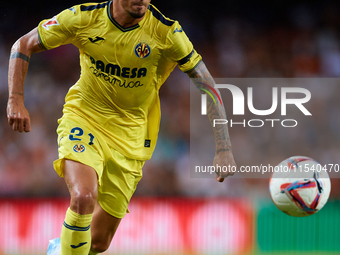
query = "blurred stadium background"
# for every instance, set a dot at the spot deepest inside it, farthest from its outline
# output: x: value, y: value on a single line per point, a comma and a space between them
x: 171, y: 213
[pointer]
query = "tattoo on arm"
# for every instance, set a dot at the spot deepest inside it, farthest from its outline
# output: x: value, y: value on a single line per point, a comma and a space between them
x: 41, y: 46
x: 203, y: 80
x: 17, y: 93
x: 20, y: 55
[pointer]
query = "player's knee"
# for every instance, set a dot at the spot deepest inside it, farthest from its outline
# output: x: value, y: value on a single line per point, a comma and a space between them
x: 99, y: 245
x: 83, y: 201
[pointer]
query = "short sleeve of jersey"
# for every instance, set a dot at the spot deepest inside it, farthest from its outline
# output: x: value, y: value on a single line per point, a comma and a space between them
x: 182, y: 50
x: 61, y: 29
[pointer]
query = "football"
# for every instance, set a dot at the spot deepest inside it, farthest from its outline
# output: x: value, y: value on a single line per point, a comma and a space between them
x: 299, y: 186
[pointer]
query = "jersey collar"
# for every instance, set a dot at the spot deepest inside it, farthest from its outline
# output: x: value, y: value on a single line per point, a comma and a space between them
x: 123, y: 29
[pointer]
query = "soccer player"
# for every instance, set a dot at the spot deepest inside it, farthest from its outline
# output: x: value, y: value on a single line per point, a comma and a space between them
x: 111, y: 115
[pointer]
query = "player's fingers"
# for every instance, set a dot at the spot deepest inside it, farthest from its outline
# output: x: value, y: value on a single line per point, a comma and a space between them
x: 20, y: 125
x: 219, y: 179
x: 27, y: 125
x: 15, y: 125
x: 10, y: 120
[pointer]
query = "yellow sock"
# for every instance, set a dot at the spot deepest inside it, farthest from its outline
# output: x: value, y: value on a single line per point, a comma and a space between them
x: 75, y: 235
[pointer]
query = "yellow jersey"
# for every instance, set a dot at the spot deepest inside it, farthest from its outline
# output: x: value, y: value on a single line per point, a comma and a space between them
x: 122, y: 70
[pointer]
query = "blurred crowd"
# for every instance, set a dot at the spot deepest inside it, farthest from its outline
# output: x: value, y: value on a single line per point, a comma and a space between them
x: 240, y: 41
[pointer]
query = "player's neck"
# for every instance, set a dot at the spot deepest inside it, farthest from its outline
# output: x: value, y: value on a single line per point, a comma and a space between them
x: 122, y: 17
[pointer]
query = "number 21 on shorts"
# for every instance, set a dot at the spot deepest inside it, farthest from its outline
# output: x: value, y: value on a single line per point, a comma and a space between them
x: 77, y: 133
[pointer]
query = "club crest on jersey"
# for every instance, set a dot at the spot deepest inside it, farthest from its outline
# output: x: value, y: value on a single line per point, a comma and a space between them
x: 142, y: 50
x: 50, y: 22
x: 79, y: 148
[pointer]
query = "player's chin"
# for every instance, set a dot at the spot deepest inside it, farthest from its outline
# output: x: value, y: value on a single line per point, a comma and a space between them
x: 138, y: 11
x: 137, y: 14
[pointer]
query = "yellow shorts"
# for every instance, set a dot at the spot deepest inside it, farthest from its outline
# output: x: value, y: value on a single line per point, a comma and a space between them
x: 118, y: 176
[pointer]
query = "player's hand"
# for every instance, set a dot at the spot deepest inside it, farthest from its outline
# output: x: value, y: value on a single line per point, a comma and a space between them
x: 224, y: 160
x: 17, y: 115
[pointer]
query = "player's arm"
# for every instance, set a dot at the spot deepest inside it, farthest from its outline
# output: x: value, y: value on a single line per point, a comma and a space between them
x: 223, y: 155
x: 21, y: 52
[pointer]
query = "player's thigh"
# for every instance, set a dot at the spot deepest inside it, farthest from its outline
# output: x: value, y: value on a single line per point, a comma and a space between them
x: 103, y: 228
x: 82, y: 183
